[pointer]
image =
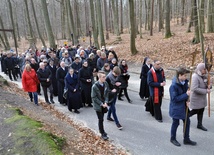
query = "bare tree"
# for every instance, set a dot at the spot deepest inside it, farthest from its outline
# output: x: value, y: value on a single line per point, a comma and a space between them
x: 196, y: 38
x: 86, y: 18
x: 37, y: 25
x: 182, y: 11
x: 160, y: 15
x: 121, y: 16
x: 106, y: 19
x: 100, y: 23
x: 140, y: 18
x: 132, y: 24
x: 167, y: 20
x: 94, y: 28
x: 151, y: 20
x: 48, y: 24
x: 210, y: 16
x: 4, y: 38
x: 115, y: 19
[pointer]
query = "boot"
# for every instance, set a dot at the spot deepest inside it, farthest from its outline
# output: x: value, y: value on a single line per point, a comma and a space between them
x: 200, y: 126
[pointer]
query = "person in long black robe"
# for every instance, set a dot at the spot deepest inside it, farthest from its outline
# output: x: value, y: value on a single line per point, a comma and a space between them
x: 144, y: 88
x: 74, y: 95
x: 60, y: 75
x: 53, y: 69
x: 85, y: 77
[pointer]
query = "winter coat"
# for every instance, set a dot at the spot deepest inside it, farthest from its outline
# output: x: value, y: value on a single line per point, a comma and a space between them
x: 29, y: 81
x: 43, y: 75
x: 123, y: 77
x: 96, y: 96
x: 101, y: 62
x: 178, y: 98
x: 198, y: 97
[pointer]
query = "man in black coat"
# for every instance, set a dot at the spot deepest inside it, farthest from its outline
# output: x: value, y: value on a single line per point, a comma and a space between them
x: 60, y: 75
x: 9, y: 66
x: 44, y: 75
x: 85, y: 77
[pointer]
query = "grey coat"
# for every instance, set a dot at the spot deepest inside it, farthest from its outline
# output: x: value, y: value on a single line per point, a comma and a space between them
x: 198, y: 96
x: 96, y: 96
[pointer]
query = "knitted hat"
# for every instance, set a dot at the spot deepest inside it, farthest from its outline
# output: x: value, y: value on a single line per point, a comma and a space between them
x: 200, y: 66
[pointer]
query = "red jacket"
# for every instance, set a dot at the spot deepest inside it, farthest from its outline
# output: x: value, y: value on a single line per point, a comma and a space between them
x: 29, y: 81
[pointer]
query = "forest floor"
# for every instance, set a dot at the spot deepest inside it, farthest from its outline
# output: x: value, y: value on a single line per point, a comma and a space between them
x: 172, y: 52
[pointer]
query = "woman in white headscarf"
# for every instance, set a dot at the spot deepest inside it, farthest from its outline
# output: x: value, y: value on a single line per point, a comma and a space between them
x: 198, y: 97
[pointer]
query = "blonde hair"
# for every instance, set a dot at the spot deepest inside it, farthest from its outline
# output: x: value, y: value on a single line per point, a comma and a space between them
x: 28, y: 67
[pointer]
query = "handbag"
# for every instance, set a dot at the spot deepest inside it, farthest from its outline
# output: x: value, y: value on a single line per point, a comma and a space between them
x: 65, y: 93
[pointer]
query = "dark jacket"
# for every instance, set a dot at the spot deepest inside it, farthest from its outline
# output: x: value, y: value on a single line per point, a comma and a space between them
x: 96, y: 96
x: 43, y: 75
x: 152, y: 84
x: 9, y: 63
x: 178, y: 98
x: 123, y: 77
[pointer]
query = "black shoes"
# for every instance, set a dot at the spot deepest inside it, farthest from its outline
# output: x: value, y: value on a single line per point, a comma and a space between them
x: 175, y: 142
x: 31, y: 99
x: 119, y: 127
x: 76, y: 111
x: 104, y: 136
x: 130, y: 101
x: 159, y: 120
x: 110, y: 119
x: 202, y: 127
x: 120, y: 99
x: 189, y: 142
x: 52, y: 101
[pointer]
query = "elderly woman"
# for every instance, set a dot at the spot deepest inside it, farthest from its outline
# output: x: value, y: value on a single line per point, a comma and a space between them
x: 198, y: 97
x: 74, y: 95
x: 29, y: 83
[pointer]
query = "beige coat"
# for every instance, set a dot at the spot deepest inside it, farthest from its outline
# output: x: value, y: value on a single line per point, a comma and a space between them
x: 198, y: 96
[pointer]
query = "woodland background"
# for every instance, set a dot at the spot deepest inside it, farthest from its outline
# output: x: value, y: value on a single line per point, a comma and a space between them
x: 171, y: 30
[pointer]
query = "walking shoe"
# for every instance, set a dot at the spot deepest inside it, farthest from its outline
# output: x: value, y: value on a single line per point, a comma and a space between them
x: 175, y: 142
x: 189, y: 142
x: 76, y: 111
x: 104, y: 136
x: 120, y: 99
x: 31, y: 99
x: 110, y: 119
x: 52, y: 101
x: 202, y: 128
x: 130, y: 101
x: 119, y: 127
x: 48, y: 102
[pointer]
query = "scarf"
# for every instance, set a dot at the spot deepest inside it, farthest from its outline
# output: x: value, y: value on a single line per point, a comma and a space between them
x: 156, y: 90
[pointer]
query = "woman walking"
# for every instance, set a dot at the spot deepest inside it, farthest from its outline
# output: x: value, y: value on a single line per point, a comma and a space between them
x: 29, y: 83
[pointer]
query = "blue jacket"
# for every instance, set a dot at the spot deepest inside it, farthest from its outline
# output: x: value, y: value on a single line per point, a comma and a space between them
x: 178, y: 98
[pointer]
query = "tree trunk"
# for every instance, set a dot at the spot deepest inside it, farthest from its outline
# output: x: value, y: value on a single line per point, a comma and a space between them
x: 191, y: 17
x: 140, y: 19
x: 148, y: 14
x: 94, y: 28
x: 63, y: 19
x: 48, y: 24
x: 132, y: 24
x: 13, y: 25
x: 201, y: 9
x: 78, y: 25
x: 201, y: 37
x: 2, y: 40
x: 115, y: 19
x: 70, y: 14
x: 37, y: 25
x: 167, y: 20
x: 182, y: 12
x: 106, y: 19
x: 100, y: 23
x: 68, y: 23
x: 146, y: 20
x: 30, y: 29
x: 7, y: 45
x: 121, y: 16
x: 86, y: 18
x: 151, y: 20
x: 210, y: 16
x: 196, y: 38
x: 160, y: 15
x: 16, y: 22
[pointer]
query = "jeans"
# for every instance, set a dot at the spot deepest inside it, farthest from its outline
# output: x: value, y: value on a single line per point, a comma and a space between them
x: 175, y: 124
x: 34, y: 96
x: 112, y: 109
x: 100, y: 116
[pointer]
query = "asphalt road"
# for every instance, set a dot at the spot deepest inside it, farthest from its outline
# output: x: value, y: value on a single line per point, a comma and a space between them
x: 142, y: 134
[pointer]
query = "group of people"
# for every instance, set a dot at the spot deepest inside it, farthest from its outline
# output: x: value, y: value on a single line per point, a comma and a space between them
x: 182, y: 98
x: 73, y: 70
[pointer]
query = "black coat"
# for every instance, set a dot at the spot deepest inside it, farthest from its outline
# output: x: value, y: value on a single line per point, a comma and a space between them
x: 60, y: 76
x: 144, y: 88
x: 53, y: 79
x: 9, y: 63
x: 43, y: 75
x: 123, y: 77
x: 84, y: 74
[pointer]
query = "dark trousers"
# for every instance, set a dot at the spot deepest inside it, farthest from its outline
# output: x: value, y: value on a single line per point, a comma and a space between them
x: 45, y: 90
x: 157, y: 109
x: 11, y: 71
x: 125, y: 93
x: 199, y: 113
x: 100, y: 116
x: 175, y: 124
